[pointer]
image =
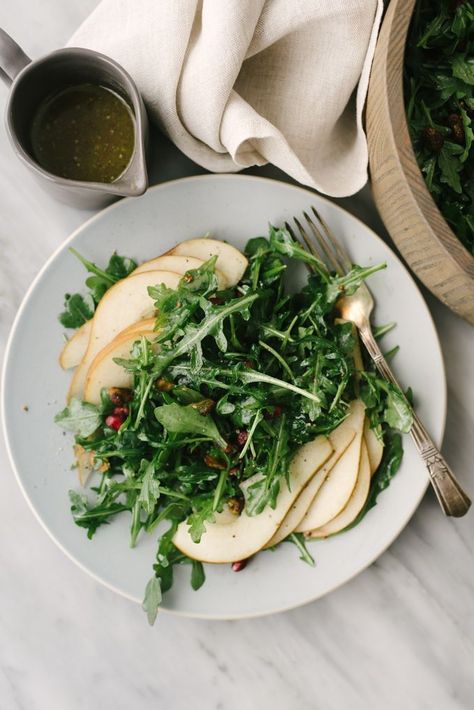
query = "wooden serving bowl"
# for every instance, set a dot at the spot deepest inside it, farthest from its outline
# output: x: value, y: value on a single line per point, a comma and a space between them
x: 409, y: 212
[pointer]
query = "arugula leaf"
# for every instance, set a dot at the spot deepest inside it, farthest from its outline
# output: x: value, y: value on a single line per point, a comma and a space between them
x: 260, y: 494
x: 468, y: 134
x: 198, y: 519
x: 283, y: 243
x: 89, y: 517
x: 450, y: 167
x: 254, y: 376
x: 77, y: 310
x: 119, y: 267
x: 349, y: 283
x: 398, y: 414
x: 385, y: 403
x: 150, y: 487
x: 185, y: 419
x: 197, y: 575
x: 82, y: 418
x: 299, y: 540
x: 167, y: 556
x: 152, y: 599
x: 175, y: 307
x: 463, y: 68
x: 195, y: 334
x: 381, y: 330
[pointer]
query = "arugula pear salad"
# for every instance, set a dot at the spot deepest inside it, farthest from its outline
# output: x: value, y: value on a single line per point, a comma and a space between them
x: 221, y: 408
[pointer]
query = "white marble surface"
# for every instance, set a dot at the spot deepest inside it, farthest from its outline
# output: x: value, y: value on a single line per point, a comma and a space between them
x: 399, y: 635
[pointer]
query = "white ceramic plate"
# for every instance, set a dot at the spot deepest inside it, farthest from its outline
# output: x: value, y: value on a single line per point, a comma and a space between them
x: 233, y: 208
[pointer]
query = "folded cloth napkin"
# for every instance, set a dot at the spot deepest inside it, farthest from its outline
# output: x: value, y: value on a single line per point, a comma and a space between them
x: 236, y: 83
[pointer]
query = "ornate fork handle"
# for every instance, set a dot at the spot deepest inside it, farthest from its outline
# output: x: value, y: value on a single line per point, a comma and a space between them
x: 452, y: 498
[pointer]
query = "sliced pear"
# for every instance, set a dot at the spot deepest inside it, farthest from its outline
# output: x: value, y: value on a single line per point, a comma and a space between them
x: 355, y: 504
x: 340, y: 439
x: 86, y: 465
x: 123, y: 304
x: 336, y: 490
x: 231, y: 539
x: 374, y: 447
x: 75, y: 348
x: 137, y: 327
x: 104, y: 372
x: 179, y: 264
x: 230, y: 261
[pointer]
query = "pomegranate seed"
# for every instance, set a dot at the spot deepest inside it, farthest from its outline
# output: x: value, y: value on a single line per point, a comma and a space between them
x: 117, y: 418
x: 216, y: 300
x: 240, y: 565
x: 114, y: 422
x: 234, y: 471
x: 242, y: 437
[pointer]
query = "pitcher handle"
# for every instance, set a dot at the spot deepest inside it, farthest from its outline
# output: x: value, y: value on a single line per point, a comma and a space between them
x: 12, y: 58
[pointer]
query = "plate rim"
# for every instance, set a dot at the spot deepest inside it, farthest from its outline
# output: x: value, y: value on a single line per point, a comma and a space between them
x: 5, y: 366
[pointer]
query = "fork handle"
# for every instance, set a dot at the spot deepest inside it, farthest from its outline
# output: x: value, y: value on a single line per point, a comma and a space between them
x: 451, y: 497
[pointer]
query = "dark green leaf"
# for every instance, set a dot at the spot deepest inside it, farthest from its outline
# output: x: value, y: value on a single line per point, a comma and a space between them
x: 77, y: 310
x: 197, y: 575
x: 283, y: 243
x: 349, y: 283
x: 463, y: 68
x: 80, y: 308
x: 119, y: 267
x: 185, y: 419
x: 398, y: 413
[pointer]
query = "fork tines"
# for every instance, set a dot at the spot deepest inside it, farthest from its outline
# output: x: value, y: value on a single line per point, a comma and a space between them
x: 320, y: 241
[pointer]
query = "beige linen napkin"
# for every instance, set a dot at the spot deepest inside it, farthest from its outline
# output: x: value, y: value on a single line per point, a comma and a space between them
x: 236, y: 83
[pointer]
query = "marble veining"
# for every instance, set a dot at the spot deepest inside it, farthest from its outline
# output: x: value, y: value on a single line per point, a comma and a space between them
x: 400, y: 635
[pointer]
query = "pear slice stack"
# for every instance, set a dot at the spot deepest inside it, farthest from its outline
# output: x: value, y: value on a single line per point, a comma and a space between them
x: 243, y: 535
x: 127, y: 303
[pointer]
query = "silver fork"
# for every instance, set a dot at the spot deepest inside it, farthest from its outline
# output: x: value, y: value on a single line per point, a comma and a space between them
x: 322, y: 243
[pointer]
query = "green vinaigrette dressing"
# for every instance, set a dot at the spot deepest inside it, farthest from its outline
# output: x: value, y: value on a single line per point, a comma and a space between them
x: 84, y: 132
